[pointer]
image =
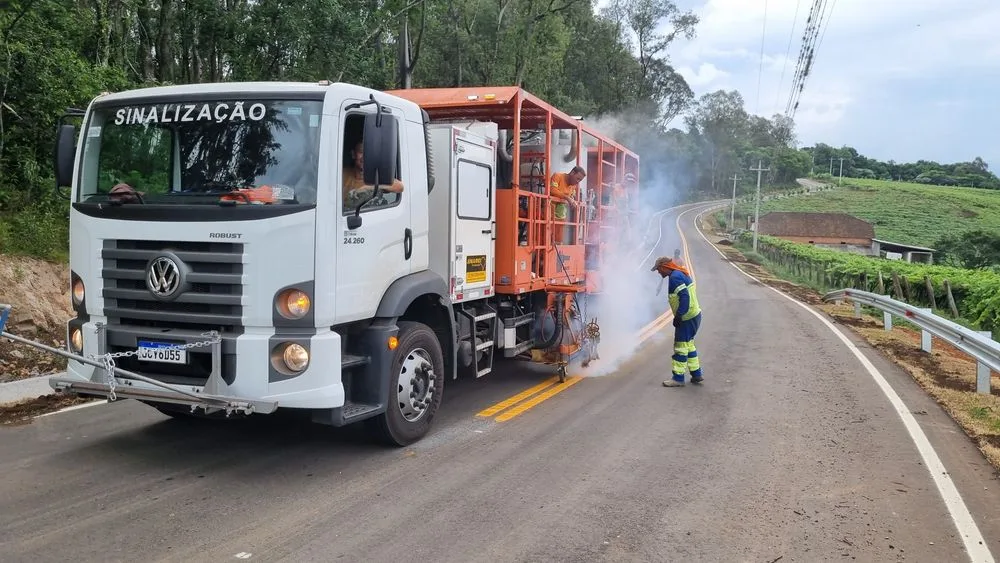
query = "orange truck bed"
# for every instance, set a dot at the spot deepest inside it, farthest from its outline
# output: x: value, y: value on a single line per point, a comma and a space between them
x: 527, y: 258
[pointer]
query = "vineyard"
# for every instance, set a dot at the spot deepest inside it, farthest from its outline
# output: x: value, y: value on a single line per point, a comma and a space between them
x: 901, y: 212
x: 971, y: 297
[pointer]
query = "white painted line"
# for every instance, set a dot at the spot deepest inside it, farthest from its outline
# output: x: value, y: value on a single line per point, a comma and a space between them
x: 975, y: 545
x: 662, y: 213
x: 659, y: 236
x: 75, y: 407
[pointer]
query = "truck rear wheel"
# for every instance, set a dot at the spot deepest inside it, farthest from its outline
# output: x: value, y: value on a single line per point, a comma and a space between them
x: 415, y: 386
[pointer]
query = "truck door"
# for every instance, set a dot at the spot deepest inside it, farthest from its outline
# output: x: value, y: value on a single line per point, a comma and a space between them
x: 474, y: 191
x: 377, y: 253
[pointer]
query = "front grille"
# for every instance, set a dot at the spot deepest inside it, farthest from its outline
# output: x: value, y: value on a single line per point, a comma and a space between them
x: 213, y: 302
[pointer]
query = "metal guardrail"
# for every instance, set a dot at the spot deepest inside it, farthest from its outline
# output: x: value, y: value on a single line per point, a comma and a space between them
x: 978, y: 344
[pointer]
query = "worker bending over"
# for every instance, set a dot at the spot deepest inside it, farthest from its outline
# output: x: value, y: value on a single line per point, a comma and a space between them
x: 687, y: 317
x: 563, y: 193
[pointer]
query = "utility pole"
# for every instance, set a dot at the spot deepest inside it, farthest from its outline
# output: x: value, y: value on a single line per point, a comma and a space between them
x: 732, y: 211
x: 831, y: 166
x: 756, y: 215
x: 841, y: 178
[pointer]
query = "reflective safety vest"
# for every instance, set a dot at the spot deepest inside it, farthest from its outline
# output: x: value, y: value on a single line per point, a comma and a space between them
x: 683, y: 297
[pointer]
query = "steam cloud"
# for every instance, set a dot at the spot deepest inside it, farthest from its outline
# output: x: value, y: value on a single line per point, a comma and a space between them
x: 629, y: 299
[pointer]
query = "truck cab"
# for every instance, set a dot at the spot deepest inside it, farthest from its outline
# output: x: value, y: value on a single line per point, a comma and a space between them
x: 221, y: 209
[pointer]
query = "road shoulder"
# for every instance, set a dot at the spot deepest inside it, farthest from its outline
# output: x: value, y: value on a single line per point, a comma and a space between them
x: 964, y: 465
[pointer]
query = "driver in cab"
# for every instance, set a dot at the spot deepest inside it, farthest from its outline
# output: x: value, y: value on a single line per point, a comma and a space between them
x: 355, y: 190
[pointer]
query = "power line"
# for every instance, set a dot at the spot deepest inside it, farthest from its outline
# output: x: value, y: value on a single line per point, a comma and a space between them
x: 823, y: 35
x: 802, y: 64
x: 760, y: 69
x: 788, y: 50
x: 805, y: 54
x: 798, y: 62
x: 811, y: 56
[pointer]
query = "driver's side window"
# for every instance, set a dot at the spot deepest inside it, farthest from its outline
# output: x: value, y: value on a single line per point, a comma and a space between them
x: 137, y: 155
x: 354, y: 191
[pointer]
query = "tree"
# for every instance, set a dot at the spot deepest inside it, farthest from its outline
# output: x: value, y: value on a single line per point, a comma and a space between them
x: 658, y: 82
x: 973, y: 249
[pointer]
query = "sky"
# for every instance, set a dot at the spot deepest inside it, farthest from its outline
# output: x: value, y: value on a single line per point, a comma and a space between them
x: 899, y: 80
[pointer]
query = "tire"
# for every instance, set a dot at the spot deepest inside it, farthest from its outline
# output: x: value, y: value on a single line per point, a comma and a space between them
x: 403, y: 421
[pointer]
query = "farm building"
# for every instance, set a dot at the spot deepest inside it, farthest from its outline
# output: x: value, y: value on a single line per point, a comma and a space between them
x: 836, y: 231
x: 905, y: 252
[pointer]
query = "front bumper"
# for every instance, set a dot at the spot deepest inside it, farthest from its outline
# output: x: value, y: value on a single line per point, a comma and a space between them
x: 248, y: 391
x: 125, y: 388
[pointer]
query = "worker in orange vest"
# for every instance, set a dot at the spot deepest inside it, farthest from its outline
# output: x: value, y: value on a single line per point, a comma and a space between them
x: 563, y: 191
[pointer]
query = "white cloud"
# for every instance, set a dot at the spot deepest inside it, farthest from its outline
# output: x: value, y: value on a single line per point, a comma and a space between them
x: 707, y: 74
x: 886, y: 77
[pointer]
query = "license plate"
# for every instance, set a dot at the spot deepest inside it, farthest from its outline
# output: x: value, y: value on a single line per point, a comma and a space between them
x: 161, y: 352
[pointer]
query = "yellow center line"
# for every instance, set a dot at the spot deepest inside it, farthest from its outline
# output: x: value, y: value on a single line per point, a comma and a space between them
x: 655, y: 323
x: 648, y: 333
x: 642, y: 335
x: 570, y: 381
x: 519, y: 397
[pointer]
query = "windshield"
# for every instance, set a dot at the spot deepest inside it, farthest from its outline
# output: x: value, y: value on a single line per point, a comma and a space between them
x: 247, y: 151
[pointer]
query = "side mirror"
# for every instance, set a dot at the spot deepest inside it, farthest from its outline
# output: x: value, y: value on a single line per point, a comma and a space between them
x: 381, y: 145
x: 65, y: 153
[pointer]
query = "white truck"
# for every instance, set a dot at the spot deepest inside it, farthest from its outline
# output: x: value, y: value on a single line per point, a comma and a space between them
x: 218, y: 262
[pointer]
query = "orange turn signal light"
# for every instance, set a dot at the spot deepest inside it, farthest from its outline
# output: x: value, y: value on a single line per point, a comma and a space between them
x: 393, y: 343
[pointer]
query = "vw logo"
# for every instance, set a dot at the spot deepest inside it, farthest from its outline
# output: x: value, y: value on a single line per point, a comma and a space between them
x: 163, y: 277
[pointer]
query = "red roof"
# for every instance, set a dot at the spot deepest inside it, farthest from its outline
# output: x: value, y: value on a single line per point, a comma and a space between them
x: 818, y: 225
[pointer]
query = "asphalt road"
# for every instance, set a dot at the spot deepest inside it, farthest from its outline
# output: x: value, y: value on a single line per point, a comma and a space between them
x: 788, y: 452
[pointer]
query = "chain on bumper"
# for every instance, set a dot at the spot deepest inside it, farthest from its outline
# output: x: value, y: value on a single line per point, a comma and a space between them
x: 206, y: 398
x: 108, y: 359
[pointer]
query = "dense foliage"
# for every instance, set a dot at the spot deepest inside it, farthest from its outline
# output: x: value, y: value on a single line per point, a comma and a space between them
x: 975, y: 174
x: 976, y: 292
x: 611, y: 66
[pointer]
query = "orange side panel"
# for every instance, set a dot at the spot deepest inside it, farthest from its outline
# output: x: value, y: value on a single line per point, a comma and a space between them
x: 524, y: 224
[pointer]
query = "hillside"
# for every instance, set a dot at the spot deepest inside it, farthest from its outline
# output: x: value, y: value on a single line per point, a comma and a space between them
x: 902, y: 212
x: 39, y: 291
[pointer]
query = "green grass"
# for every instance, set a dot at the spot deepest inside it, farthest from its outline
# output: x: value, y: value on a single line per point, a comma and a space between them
x: 35, y: 232
x: 901, y: 212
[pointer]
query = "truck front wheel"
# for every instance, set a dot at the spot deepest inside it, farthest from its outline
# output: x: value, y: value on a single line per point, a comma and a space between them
x: 416, y: 383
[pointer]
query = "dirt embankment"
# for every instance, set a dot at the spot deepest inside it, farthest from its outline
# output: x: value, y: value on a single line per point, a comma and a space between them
x: 39, y: 292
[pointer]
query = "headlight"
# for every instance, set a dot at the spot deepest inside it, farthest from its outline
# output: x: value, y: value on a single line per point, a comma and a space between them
x: 296, y: 357
x: 76, y: 340
x: 293, y: 304
x: 79, y: 292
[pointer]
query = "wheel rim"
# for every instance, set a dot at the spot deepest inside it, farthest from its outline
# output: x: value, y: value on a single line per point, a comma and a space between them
x: 415, y: 385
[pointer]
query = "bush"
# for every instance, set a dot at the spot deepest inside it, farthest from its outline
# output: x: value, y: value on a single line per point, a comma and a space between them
x: 976, y: 292
x: 35, y: 231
